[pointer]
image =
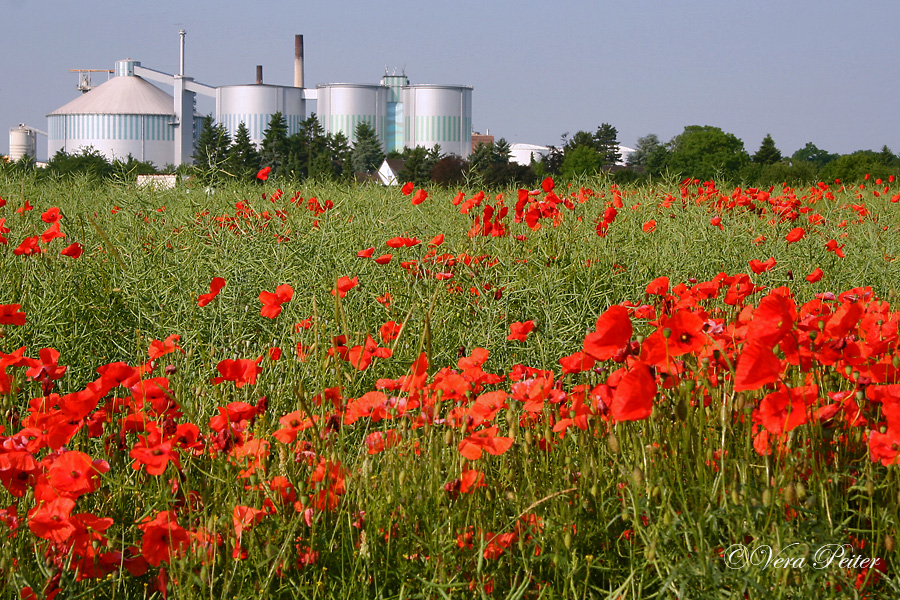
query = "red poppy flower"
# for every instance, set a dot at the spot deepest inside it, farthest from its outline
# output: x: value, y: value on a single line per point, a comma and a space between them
x: 163, y: 537
x: 379, y: 441
x: 344, y: 285
x: 50, y: 519
x: 400, y: 242
x: 547, y: 185
x: 815, y: 275
x: 649, y: 226
x: 832, y: 246
x: 215, y: 286
x: 658, y: 287
x: 518, y: 331
x: 795, y: 235
x: 272, y: 301
x: 484, y: 440
x: 52, y: 233
x: 158, y: 348
x: 10, y: 314
x: 73, y: 250
x: 420, y: 197
x: 389, y: 331
x: 436, y: 241
x: 24, y: 208
x: 51, y: 215
x: 28, y: 246
x: 241, y: 371
x: 263, y: 175
x: 717, y: 222
x: 576, y: 363
x: 47, y: 367
x: 408, y: 188
x: 367, y: 253
x: 384, y: 259
x: 759, y: 266
x: 633, y: 398
x: 756, y: 367
x: 611, y: 334
x: 74, y: 474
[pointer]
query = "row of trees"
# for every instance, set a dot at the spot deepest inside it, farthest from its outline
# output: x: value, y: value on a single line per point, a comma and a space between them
x: 708, y: 152
x: 702, y: 152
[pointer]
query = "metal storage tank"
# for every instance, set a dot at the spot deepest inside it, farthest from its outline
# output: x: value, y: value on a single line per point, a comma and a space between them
x: 124, y: 116
x: 342, y: 106
x: 22, y: 141
x: 438, y: 114
x: 255, y: 104
x: 393, y: 134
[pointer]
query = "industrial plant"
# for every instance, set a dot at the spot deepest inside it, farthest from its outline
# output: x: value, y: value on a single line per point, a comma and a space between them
x: 129, y: 116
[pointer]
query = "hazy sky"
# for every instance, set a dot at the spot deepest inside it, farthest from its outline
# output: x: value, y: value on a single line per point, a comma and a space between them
x: 803, y: 70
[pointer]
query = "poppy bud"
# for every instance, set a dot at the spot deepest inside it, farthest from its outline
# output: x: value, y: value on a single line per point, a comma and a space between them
x: 613, y: 442
x: 637, y: 476
x: 800, y: 490
x: 767, y: 497
x: 790, y: 494
x: 889, y: 543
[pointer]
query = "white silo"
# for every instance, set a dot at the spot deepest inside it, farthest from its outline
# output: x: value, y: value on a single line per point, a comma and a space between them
x: 342, y: 106
x: 22, y: 142
x: 438, y: 114
x: 255, y: 104
x: 125, y: 116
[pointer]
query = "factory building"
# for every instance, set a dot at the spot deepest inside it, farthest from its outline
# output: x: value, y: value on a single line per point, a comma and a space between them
x: 125, y: 116
x: 129, y: 116
x: 402, y: 115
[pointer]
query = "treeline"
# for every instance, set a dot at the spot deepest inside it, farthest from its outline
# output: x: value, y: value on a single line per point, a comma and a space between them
x: 701, y: 152
x: 314, y: 153
x: 706, y: 152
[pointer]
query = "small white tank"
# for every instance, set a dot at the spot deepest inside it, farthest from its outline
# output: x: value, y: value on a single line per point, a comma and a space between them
x: 22, y: 141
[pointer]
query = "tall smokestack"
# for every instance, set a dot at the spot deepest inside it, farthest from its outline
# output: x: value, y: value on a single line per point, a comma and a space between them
x: 298, y: 61
x: 259, y: 74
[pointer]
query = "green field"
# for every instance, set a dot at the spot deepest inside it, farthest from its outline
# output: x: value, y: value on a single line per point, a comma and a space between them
x: 344, y: 457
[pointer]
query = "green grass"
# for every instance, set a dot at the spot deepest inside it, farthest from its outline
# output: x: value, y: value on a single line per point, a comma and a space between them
x: 642, y: 509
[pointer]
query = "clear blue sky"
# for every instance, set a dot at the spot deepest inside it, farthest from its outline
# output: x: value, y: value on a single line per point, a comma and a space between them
x: 803, y: 70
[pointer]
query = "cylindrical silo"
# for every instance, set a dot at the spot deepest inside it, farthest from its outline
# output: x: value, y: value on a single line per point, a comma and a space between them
x: 438, y: 114
x: 255, y: 104
x: 393, y: 134
x: 22, y: 142
x: 125, y: 116
x: 342, y: 106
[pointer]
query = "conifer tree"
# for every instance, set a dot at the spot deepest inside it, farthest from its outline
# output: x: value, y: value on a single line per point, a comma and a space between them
x: 243, y: 155
x: 767, y: 154
x: 366, y: 155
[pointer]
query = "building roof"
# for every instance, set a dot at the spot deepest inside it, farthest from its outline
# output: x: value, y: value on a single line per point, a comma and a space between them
x: 126, y: 95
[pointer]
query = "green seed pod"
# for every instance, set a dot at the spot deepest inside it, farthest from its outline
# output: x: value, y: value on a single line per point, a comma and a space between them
x: 681, y: 409
x: 567, y: 540
x: 870, y: 488
x: 637, y: 476
x: 448, y: 437
x: 767, y: 497
x: 790, y: 494
x: 529, y: 437
x: 613, y: 442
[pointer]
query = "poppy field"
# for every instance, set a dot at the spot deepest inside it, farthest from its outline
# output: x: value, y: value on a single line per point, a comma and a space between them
x: 574, y: 391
